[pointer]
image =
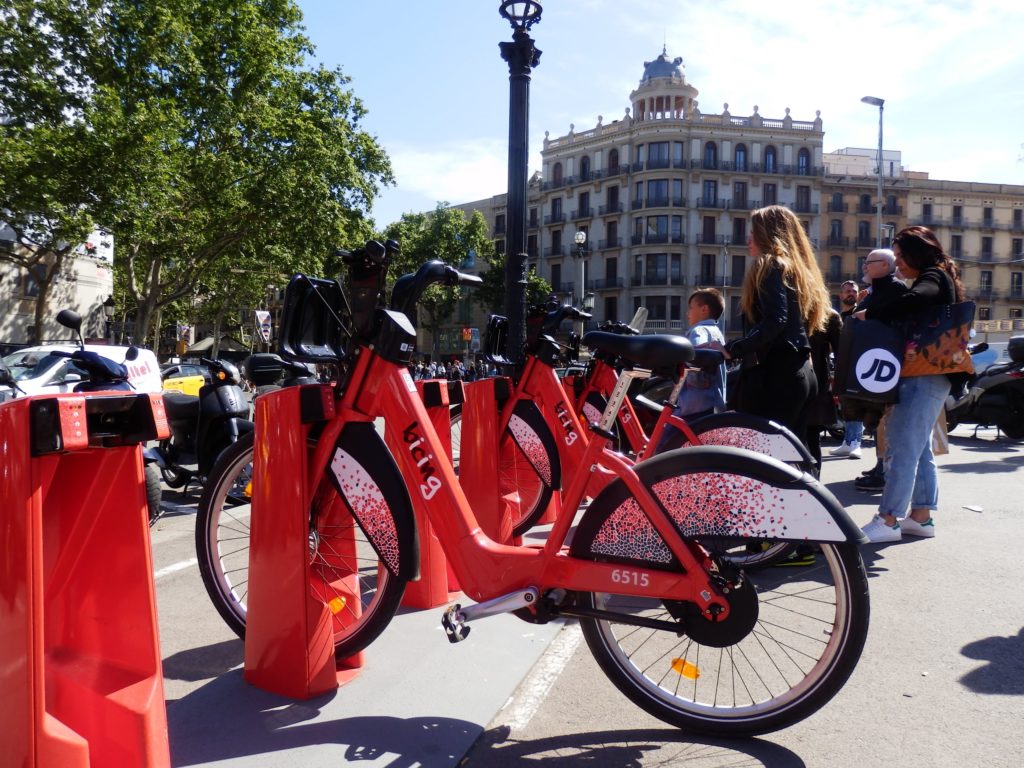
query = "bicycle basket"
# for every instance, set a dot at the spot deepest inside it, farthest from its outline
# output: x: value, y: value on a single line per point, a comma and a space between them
x: 310, y: 329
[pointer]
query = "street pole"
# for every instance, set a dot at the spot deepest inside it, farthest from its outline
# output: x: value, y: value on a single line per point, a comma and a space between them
x: 877, y: 102
x: 522, y: 57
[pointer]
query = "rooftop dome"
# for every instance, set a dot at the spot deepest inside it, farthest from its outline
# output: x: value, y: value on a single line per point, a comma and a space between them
x: 662, y: 67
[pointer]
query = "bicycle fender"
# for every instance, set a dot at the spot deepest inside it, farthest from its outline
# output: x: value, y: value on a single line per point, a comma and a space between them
x: 367, y: 478
x: 593, y: 408
x: 531, y: 433
x: 743, y: 430
x: 711, y: 492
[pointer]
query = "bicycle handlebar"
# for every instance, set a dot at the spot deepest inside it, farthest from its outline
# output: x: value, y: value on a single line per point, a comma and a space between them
x: 409, y: 288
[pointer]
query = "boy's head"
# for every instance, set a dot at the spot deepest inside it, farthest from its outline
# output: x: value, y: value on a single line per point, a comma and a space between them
x: 704, y: 304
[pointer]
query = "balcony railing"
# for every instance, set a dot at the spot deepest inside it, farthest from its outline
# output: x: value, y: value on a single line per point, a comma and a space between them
x: 604, y: 210
x: 803, y: 207
x: 678, y: 202
x: 554, y: 250
x: 611, y: 242
x: 657, y: 202
x: 713, y: 202
x: 708, y: 239
x: 661, y: 162
x: 582, y: 213
x: 892, y: 210
x: 499, y: 229
x: 554, y: 218
x: 636, y: 205
x: 838, y: 207
x: 606, y: 283
x: 838, y: 241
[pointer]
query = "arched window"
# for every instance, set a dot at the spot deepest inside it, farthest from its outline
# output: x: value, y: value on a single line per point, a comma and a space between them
x: 613, y: 161
x: 584, y: 168
x: 803, y: 163
x: 710, y: 155
x: 771, y: 163
x: 556, y: 174
x: 740, y: 156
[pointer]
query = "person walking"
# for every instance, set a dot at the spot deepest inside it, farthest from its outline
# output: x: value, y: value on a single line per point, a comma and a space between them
x: 783, y: 300
x: 821, y: 412
x: 853, y: 430
x: 911, y: 478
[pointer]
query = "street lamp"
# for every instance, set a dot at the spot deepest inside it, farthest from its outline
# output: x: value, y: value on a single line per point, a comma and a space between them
x: 522, y: 57
x: 877, y: 102
x: 580, y: 238
x: 108, y: 316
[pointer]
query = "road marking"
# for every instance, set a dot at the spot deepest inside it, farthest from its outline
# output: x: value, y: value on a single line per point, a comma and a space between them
x: 527, y: 699
x: 174, y: 567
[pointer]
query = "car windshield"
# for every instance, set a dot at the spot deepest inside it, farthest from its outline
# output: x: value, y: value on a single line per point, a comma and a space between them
x: 29, y: 365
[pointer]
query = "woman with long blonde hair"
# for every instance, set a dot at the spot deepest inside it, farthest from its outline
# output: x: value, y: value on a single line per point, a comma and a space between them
x: 784, y: 301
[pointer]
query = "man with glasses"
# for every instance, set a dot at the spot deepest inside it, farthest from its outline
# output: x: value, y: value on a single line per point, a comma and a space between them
x: 885, y: 286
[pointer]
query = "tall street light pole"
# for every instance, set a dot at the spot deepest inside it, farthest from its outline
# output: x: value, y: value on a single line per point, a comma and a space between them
x: 877, y: 102
x: 522, y: 57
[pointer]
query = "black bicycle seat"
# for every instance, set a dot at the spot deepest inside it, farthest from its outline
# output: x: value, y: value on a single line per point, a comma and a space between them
x: 648, y: 351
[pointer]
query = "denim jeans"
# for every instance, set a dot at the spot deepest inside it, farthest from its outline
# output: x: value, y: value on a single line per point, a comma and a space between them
x: 854, y: 432
x: 910, y: 477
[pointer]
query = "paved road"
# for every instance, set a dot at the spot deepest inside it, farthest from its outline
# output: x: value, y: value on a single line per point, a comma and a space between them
x: 940, y: 683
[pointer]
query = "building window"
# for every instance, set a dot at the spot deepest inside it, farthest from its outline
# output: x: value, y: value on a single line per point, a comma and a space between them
x: 958, y: 216
x: 865, y: 206
x: 657, y: 192
x: 556, y: 277
x: 1017, y: 251
x: 613, y: 161
x: 531, y: 246
x: 835, y: 232
x: 956, y: 246
x: 707, y: 269
x: 739, y: 268
x: 677, y: 229
x: 657, y: 229
x: 675, y: 308
x: 657, y: 154
x: 499, y: 246
x: 677, y: 193
x: 926, y: 212
x: 803, y: 199
x: 1017, y: 285
x: 676, y: 269
x: 708, y: 233
x: 677, y: 154
x: 584, y: 168
x: 711, y: 193
x: 499, y: 223
x: 638, y: 270
x: 611, y: 269
x: 770, y: 160
x: 1018, y: 218
x: 1015, y: 314
x: 710, y: 155
x: 864, y: 233
x: 657, y: 269
x: 533, y: 217
x: 986, y: 247
x: 984, y: 313
x: 836, y: 206
x: 556, y: 242
x: 803, y: 163
x: 556, y: 209
x: 739, y: 194
x: 556, y: 174
x: 986, y: 217
x: 740, y: 156
x: 985, y: 280
x: 613, y: 198
x: 770, y: 194
x: 656, y: 307
x: 835, y: 268
x: 739, y: 231
x: 611, y: 307
x: 611, y: 230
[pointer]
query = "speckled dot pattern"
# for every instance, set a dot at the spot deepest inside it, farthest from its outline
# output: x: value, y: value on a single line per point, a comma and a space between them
x: 530, y: 444
x: 368, y: 505
x: 776, y: 446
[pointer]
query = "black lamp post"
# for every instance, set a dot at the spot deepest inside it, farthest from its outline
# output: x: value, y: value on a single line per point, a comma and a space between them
x: 108, y: 316
x: 522, y: 57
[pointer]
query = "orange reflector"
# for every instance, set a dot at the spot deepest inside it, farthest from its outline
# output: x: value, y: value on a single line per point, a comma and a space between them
x: 248, y: 490
x: 685, y: 668
x: 337, y: 605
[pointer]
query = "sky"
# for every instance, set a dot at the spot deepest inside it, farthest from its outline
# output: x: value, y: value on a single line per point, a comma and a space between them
x: 431, y: 76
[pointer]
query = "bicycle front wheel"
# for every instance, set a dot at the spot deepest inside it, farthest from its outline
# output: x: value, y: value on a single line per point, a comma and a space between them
x: 345, y: 571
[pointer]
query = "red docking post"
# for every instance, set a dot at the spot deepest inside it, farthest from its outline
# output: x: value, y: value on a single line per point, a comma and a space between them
x: 80, y: 669
x: 292, y: 612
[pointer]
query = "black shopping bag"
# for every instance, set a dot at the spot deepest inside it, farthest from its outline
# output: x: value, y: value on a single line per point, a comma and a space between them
x: 869, y: 361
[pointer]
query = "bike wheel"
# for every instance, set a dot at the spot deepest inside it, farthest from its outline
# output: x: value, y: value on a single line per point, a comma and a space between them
x: 808, y: 634
x: 345, y: 570
x: 154, y: 492
x: 520, y: 485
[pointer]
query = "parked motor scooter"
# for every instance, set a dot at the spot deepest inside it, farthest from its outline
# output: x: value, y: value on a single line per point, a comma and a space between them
x: 203, y: 426
x: 994, y: 396
x: 104, y: 375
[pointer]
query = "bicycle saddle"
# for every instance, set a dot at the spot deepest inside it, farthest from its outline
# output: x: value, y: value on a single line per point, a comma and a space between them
x: 655, y: 351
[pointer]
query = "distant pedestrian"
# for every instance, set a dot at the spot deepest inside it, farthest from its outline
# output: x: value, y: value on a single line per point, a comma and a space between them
x: 821, y: 411
x: 853, y: 429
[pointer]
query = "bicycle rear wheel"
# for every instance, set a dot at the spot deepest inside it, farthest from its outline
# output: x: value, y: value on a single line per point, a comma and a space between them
x: 345, y: 571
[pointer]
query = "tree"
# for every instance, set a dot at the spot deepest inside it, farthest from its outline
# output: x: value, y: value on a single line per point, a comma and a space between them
x: 491, y: 295
x: 443, y: 234
x: 211, y: 141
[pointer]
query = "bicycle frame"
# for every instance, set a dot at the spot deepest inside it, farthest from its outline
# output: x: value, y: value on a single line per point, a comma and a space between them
x: 486, y: 569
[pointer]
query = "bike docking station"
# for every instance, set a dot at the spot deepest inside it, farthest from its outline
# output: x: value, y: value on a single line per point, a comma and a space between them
x: 437, y: 581
x: 80, y: 664
x: 290, y: 614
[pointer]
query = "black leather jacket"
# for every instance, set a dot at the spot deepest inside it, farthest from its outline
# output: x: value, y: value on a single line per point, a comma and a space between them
x: 779, y: 327
x: 884, y: 291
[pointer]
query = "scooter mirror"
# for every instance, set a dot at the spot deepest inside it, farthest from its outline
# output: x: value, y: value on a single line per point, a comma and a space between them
x: 5, y: 375
x: 132, y: 353
x: 72, y: 320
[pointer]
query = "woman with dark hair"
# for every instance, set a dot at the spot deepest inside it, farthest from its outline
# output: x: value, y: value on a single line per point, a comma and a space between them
x: 784, y: 300
x: 910, y: 477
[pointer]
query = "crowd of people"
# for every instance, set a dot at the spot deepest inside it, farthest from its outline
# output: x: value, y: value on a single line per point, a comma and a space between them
x: 790, y: 333
x: 453, y: 370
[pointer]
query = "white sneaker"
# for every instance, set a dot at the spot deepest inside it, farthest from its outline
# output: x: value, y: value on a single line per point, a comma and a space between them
x: 879, y: 533
x: 911, y: 527
x: 854, y: 450
x: 843, y: 450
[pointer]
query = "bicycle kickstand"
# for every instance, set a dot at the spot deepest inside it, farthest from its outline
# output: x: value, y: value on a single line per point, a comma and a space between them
x: 456, y: 617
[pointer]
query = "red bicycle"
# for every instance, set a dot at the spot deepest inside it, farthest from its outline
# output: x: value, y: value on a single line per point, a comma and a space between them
x: 685, y: 634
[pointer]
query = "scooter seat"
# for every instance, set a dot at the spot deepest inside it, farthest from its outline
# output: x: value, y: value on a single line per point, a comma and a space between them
x: 181, y: 408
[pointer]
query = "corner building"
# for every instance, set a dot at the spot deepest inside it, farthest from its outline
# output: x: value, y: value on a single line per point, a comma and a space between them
x: 664, y: 196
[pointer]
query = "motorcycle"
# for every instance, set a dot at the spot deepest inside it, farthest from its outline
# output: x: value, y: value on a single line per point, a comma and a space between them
x: 104, y: 375
x: 202, y: 427
x: 994, y: 396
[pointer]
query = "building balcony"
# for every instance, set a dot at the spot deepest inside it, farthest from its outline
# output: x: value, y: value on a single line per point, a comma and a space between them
x: 582, y: 213
x: 657, y: 238
x: 661, y: 326
x: 1015, y: 294
x: 606, y: 283
x: 657, y: 202
x: 636, y: 205
x: 554, y: 250
x: 838, y: 207
x: 608, y: 243
x: 562, y: 287
x: 636, y: 167
x: 803, y: 207
x: 959, y: 222
x: 678, y: 202
x: 499, y: 229
x: 532, y: 224
x: 744, y: 205
x: 717, y: 203
x: 892, y: 210
x: 611, y: 208
x: 838, y: 241
x: 661, y: 162
x: 554, y: 218
x: 708, y: 239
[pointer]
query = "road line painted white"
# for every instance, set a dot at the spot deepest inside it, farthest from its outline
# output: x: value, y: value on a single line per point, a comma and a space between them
x: 175, y: 567
x: 531, y: 693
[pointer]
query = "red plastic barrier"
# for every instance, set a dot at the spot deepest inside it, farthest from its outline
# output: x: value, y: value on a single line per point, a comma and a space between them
x: 80, y: 669
x: 289, y: 637
x: 478, y: 463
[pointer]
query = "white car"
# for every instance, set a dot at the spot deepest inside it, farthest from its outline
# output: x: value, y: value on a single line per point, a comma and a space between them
x: 38, y: 371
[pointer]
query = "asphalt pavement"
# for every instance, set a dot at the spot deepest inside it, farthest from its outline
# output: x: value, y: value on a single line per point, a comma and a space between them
x: 940, y: 682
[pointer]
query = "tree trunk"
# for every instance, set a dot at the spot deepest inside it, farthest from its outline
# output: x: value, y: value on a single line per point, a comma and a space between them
x: 45, y: 283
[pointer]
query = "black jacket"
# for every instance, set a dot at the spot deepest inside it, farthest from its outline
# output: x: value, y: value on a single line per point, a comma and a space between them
x: 932, y: 287
x: 779, y: 326
x: 884, y: 291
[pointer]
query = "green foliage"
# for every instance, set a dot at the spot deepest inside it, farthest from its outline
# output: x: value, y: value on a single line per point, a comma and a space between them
x: 199, y: 137
x: 491, y: 295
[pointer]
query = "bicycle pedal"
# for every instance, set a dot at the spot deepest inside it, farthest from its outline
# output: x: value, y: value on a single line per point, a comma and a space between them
x: 454, y: 624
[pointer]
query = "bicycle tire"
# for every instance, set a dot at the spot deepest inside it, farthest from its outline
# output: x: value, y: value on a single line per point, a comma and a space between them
x: 154, y: 492
x: 518, y: 482
x: 804, y: 632
x: 222, y: 550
